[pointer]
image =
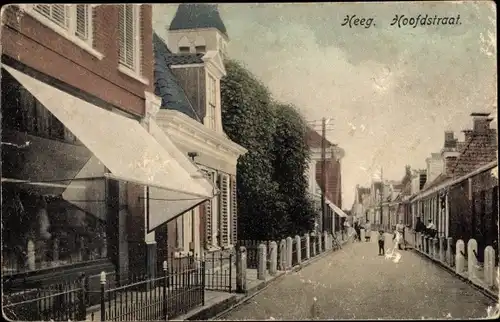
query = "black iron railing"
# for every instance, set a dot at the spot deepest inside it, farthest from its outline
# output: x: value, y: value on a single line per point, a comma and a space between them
x: 59, y: 302
x: 312, y: 245
x: 295, y: 251
x: 175, y: 291
x: 220, y: 272
x: 303, y: 248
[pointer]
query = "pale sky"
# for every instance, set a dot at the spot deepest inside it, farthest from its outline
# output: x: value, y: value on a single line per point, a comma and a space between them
x: 391, y: 92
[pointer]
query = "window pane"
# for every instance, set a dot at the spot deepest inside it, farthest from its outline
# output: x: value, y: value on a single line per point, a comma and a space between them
x: 200, y: 49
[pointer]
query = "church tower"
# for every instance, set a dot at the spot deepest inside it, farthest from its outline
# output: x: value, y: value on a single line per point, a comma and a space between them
x: 197, y: 28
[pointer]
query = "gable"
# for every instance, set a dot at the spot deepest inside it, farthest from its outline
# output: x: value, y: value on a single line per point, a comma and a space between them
x: 214, y: 58
x: 167, y: 86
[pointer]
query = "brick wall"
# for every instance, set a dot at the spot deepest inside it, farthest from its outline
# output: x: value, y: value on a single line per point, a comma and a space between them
x: 28, y: 41
x: 333, y: 180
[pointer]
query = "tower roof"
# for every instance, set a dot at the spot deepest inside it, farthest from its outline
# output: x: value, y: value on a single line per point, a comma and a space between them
x: 199, y: 15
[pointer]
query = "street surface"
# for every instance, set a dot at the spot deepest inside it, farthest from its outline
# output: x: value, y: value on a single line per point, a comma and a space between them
x: 356, y: 283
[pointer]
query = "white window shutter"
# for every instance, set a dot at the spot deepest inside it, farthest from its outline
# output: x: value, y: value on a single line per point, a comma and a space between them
x: 208, y: 212
x: 127, y: 28
x: 83, y: 16
x: 57, y: 13
x: 224, y: 210
x: 234, y: 212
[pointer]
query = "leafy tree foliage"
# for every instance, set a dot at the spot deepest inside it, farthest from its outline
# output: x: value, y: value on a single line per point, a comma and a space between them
x: 291, y: 157
x: 272, y: 201
x: 248, y: 120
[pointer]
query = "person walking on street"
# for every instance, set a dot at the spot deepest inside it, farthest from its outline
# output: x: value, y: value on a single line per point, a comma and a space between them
x: 381, y: 242
x: 419, y: 228
x: 346, y: 228
x: 357, y: 228
x: 368, y: 231
x: 400, y: 228
x: 431, y: 228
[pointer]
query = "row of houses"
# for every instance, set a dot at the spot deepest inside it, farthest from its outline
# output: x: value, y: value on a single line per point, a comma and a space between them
x: 458, y: 190
x: 113, y: 153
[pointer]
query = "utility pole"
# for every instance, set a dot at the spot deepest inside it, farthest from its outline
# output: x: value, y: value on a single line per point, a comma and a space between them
x: 323, y: 173
x: 381, y: 194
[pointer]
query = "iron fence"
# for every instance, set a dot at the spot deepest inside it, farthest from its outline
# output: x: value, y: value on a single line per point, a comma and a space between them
x: 59, y: 302
x: 252, y: 247
x: 252, y: 258
x: 303, y: 248
x: 295, y: 251
x: 177, y: 290
x: 312, y: 245
x: 220, y: 271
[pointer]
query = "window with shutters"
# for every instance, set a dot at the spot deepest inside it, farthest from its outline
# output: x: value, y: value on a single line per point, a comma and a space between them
x: 72, y: 21
x: 210, y: 218
x: 224, y: 212
x: 234, y: 212
x: 129, y: 37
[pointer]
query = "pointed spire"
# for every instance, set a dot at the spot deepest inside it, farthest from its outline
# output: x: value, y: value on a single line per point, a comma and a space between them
x: 199, y: 15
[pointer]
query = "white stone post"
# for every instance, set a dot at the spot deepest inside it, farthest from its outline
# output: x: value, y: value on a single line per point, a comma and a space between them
x: 299, y: 249
x: 31, y: 255
x: 363, y: 234
x: 330, y: 241
x: 241, y: 270
x: 471, y: 258
x: 273, y: 252
x: 320, y: 243
x: 282, y: 254
x: 441, y: 249
x: 449, y: 251
x: 325, y: 239
x: 459, y: 257
x: 262, y: 262
x: 489, y: 266
x: 308, y: 246
x: 289, y: 245
x: 435, y: 245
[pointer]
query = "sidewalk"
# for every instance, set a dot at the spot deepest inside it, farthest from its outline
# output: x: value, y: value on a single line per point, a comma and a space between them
x: 477, y: 281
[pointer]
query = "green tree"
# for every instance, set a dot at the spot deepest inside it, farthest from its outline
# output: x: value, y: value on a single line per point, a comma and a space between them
x: 272, y: 190
x: 248, y: 119
x: 291, y: 160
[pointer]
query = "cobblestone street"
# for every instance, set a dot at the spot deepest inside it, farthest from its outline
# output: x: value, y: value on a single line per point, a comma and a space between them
x: 356, y: 283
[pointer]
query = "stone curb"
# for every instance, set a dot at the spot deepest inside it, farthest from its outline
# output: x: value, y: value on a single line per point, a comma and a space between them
x: 235, y: 301
x: 490, y: 294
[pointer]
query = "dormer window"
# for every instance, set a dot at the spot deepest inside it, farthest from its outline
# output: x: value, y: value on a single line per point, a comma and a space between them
x: 184, y: 50
x: 201, y: 49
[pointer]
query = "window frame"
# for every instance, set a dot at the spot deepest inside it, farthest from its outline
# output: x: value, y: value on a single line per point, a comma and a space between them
x: 70, y: 32
x: 136, y: 70
x: 211, y: 110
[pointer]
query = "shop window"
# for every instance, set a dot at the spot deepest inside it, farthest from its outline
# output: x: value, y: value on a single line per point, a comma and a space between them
x: 43, y: 230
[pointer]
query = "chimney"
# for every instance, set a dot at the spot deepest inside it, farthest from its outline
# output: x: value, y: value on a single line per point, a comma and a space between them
x: 449, y: 140
x: 481, y: 122
x: 449, y: 162
x: 468, y: 134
